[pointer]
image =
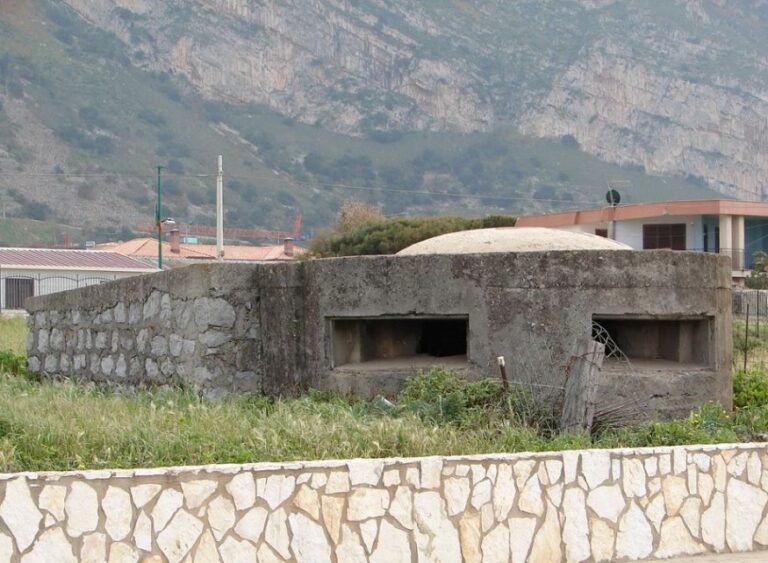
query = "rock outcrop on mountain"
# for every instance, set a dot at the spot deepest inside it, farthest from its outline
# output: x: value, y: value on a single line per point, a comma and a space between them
x: 675, y: 86
x: 623, y: 111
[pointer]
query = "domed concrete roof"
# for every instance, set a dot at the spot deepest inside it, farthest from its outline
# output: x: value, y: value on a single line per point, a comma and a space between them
x: 515, y: 239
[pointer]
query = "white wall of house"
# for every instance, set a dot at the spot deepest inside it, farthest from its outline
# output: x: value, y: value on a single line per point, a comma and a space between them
x: 585, y: 228
x: 631, y: 232
x: 47, y: 280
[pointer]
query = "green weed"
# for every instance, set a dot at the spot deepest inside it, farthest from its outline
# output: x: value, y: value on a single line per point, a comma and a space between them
x: 750, y: 388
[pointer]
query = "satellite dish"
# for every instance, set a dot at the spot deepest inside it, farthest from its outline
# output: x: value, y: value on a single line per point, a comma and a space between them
x: 613, y: 198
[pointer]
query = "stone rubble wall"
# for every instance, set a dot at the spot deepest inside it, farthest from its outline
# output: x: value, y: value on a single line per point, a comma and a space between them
x: 575, y: 506
x: 200, y: 327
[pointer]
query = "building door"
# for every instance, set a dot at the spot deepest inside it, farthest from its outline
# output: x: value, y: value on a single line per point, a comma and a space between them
x: 17, y: 290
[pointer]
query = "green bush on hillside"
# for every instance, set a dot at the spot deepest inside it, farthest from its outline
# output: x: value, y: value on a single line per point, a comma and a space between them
x: 392, y: 235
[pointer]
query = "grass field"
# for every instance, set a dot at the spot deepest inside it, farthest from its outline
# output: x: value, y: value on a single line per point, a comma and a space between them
x: 63, y: 425
x: 13, y: 334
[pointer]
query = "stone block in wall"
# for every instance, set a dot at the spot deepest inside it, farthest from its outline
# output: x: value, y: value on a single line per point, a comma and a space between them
x: 158, y: 346
x: 33, y: 364
x: 216, y: 312
x: 119, y: 312
x: 42, y: 340
x: 214, y: 338
x: 41, y: 319
x: 134, y: 313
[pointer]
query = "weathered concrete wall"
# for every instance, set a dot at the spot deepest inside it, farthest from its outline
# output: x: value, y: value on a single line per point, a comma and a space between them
x: 269, y: 327
x: 533, y: 308
x: 576, y: 506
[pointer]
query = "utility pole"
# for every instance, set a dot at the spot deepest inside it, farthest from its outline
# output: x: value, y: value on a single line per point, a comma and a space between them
x: 220, y: 212
x: 158, y: 218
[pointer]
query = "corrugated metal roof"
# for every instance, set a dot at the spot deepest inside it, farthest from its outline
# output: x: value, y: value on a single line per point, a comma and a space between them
x: 69, y: 259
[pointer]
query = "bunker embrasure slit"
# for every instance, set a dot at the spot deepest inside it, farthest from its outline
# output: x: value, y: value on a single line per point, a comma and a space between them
x: 399, y: 341
x: 679, y: 340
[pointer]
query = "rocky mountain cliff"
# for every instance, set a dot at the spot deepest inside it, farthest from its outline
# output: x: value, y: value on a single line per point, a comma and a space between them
x: 675, y: 86
x: 417, y: 106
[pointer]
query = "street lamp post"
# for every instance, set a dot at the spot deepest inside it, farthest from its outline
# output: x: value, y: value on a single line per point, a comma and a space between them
x: 158, y: 220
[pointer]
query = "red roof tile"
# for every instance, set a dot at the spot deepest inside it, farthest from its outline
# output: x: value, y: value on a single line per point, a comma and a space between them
x: 68, y: 259
x: 147, y: 248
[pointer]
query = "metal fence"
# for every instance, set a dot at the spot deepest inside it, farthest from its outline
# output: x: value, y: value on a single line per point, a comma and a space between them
x: 16, y: 288
x: 755, y: 299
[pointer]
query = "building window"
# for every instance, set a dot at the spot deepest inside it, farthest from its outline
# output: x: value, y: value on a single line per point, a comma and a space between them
x: 17, y: 290
x: 664, y: 235
x: 384, y: 341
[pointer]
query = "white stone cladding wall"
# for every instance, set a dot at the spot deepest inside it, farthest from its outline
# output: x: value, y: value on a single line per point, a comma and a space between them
x: 596, y: 505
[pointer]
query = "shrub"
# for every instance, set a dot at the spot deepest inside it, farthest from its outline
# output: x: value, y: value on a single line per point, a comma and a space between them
x: 10, y: 362
x: 152, y: 117
x: 285, y: 198
x: 545, y: 192
x: 392, y: 235
x: 442, y: 396
x: 756, y: 281
x: 15, y: 89
x: 354, y: 215
x: 759, y: 277
x: 569, y: 141
x: 175, y: 166
x: 741, y: 345
x: 750, y: 388
x: 708, y: 424
x: 91, y: 117
x: 35, y: 210
x: 86, y: 191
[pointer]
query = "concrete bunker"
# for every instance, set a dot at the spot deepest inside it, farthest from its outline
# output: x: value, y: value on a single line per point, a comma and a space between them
x: 364, y: 324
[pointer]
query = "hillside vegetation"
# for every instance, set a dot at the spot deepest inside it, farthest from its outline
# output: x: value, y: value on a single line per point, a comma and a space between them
x: 85, y: 120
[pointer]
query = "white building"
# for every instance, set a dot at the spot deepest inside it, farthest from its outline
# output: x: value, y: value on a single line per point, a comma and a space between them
x: 25, y: 272
x: 737, y: 229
